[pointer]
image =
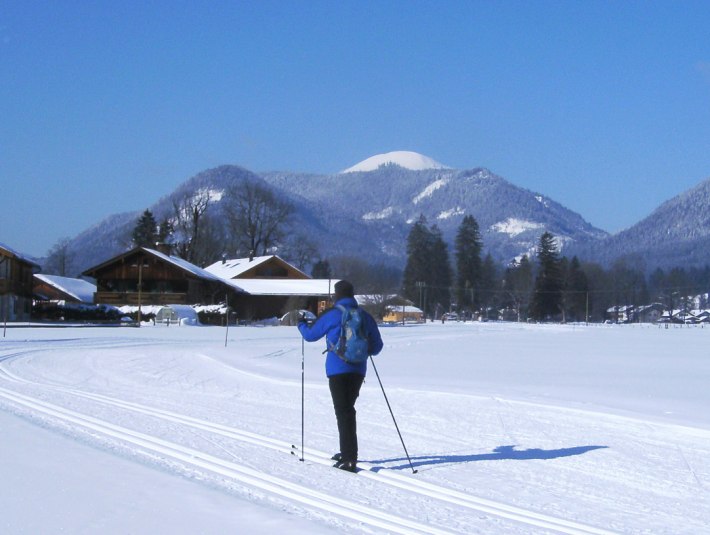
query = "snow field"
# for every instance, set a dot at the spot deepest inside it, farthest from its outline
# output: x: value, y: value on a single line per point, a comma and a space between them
x: 513, y: 429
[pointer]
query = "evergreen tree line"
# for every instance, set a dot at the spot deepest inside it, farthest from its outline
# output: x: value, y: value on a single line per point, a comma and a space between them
x: 547, y: 287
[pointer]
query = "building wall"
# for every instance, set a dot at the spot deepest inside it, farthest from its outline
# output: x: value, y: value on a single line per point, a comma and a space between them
x: 15, y: 308
x: 161, y: 283
x: 396, y: 316
x: 15, y: 289
x: 272, y: 269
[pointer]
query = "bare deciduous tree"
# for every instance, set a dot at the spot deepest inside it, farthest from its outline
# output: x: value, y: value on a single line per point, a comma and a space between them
x: 59, y: 258
x: 189, y: 212
x: 300, y: 250
x: 256, y: 216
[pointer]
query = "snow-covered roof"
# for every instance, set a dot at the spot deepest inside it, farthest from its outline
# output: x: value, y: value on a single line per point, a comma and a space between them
x: 219, y: 308
x: 229, y: 269
x: 373, y: 299
x: 79, y: 289
x: 678, y: 313
x: 13, y: 253
x: 406, y: 308
x: 285, y: 287
x: 407, y: 159
x: 644, y: 308
x: 620, y: 308
x: 184, y: 264
x: 145, y: 309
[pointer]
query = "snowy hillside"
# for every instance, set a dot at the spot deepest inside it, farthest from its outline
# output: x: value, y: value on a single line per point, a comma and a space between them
x: 676, y: 234
x: 382, y: 205
x: 389, y: 199
x: 384, y: 200
x: 405, y: 159
x: 514, y: 429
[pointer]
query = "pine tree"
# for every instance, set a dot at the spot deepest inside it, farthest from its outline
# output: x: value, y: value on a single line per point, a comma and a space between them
x: 417, y: 272
x: 427, y: 275
x: 440, y: 294
x: 576, y: 292
x: 164, y: 231
x: 547, y: 297
x: 600, y: 290
x: 629, y: 283
x: 145, y: 233
x: 518, y: 286
x: 467, y: 246
x: 488, y: 289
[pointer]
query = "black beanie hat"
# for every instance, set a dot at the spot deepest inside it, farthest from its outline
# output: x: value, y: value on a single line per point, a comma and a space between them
x: 344, y: 289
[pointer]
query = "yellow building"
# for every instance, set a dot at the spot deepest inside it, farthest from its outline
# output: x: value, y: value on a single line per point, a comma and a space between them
x: 403, y: 314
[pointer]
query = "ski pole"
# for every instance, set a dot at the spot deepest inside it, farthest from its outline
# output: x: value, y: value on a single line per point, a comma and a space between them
x: 393, y: 419
x: 303, y: 392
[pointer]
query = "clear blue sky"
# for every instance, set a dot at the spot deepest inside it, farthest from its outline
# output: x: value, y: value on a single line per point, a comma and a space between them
x: 105, y: 107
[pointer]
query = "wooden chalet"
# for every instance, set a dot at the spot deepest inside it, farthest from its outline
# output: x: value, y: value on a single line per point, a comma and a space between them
x: 145, y: 276
x: 271, y: 287
x: 16, y: 273
x: 269, y: 298
x: 257, y: 288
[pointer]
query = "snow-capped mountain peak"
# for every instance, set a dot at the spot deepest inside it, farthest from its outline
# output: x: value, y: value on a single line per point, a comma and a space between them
x: 403, y: 158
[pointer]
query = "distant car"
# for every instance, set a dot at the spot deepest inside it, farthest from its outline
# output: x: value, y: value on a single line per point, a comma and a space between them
x: 450, y: 316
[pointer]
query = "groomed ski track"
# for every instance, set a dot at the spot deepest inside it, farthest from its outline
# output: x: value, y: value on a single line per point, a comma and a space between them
x: 288, y: 490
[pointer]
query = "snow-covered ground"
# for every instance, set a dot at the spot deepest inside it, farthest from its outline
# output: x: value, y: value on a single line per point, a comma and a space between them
x: 511, y: 428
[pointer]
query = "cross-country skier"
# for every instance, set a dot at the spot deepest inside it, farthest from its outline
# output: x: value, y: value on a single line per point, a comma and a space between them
x: 344, y: 378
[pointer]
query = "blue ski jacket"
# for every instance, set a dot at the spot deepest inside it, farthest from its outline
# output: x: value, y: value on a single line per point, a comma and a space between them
x: 328, y: 325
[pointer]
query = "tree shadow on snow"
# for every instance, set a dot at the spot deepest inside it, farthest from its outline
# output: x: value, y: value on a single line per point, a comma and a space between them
x: 501, y: 453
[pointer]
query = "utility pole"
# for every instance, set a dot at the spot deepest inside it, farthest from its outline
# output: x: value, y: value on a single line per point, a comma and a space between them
x: 4, y: 305
x: 140, y: 265
x: 226, y: 332
x: 420, y: 285
x: 140, y: 285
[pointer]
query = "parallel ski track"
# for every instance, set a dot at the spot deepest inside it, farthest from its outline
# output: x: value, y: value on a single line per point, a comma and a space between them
x: 236, y: 472
x: 279, y: 486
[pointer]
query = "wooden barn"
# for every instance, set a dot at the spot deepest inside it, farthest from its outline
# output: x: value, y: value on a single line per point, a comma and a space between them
x: 273, y: 298
x: 270, y: 286
x: 16, y: 273
x: 145, y: 276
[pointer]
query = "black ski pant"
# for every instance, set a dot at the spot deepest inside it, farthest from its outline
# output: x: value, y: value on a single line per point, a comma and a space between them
x: 344, y: 389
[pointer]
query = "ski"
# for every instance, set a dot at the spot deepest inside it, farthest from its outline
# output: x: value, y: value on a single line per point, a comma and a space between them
x: 324, y: 459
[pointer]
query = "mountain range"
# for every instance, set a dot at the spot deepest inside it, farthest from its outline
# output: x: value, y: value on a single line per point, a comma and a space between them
x: 368, y: 209
x: 676, y: 234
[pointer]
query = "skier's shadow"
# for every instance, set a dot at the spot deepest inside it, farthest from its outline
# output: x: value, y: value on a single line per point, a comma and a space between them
x: 499, y: 454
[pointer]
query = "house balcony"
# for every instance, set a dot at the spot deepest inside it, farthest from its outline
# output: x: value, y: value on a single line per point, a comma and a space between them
x: 146, y: 298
